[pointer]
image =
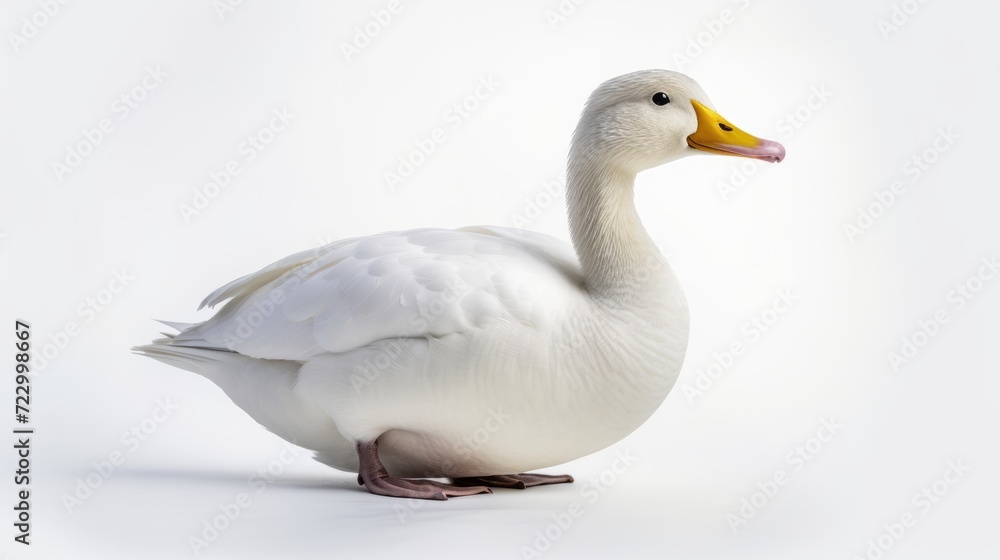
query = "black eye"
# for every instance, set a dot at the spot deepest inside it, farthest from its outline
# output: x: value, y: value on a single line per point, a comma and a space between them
x: 660, y: 98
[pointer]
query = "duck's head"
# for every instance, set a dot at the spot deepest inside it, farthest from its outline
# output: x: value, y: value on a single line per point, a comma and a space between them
x: 647, y: 118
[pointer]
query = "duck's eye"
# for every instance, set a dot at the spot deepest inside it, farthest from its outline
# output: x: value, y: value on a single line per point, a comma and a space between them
x: 660, y: 98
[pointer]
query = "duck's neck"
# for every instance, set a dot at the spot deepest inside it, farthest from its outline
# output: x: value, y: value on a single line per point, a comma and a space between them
x: 617, y: 255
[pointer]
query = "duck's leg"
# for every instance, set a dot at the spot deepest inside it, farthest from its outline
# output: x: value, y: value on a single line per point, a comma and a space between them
x: 377, y: 480
x: 518, y: 481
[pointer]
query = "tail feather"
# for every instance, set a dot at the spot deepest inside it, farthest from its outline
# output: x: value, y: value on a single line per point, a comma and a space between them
x: 195, y: 360
x: 176, y: 325
x: 264, y: 389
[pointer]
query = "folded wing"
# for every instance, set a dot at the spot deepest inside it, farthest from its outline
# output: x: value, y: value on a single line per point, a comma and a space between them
x: 417, y: 283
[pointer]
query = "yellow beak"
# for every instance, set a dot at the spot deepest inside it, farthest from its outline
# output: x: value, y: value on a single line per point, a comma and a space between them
x: 718, y: 136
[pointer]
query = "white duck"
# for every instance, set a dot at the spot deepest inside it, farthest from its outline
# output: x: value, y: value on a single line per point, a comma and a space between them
x: 477, y: 353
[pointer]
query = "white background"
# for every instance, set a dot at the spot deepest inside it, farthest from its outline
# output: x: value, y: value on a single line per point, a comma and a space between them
x: 322, y: 178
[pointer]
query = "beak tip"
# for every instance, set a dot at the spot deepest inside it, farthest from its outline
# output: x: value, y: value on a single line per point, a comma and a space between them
x: 772, y: 151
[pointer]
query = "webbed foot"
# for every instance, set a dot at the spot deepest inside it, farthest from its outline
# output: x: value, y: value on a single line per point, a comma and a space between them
x: 518, y: 481
x: 376, y: 479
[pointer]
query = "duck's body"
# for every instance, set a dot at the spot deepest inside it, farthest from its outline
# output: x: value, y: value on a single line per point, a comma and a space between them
x: 463, y: 353
x: 503, y: 360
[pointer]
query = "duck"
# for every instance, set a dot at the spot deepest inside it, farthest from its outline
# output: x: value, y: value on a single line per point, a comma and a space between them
x: 438, y: 363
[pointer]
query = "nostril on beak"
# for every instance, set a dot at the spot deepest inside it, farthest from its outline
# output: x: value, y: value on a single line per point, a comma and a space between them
x: 725, y: 127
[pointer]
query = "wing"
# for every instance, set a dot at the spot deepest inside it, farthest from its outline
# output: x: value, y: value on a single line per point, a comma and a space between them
x: 416, y: 283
